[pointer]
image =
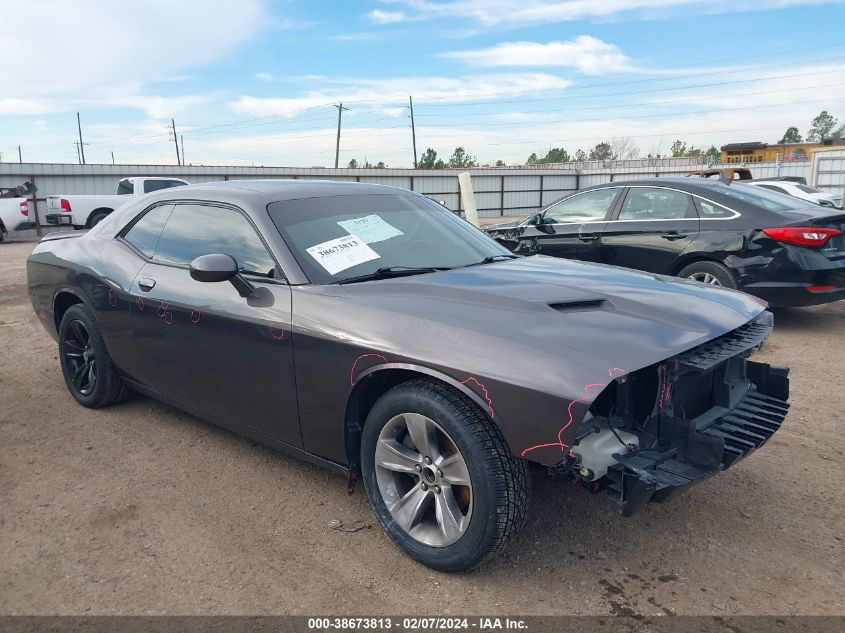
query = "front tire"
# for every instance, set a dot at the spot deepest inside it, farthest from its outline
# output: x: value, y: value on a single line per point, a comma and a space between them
x: 89, y: 373
x: 96, y: 219
x: 710, y: 273
x: 440, y: 477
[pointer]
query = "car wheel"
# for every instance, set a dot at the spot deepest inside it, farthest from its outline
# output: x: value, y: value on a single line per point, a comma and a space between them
x: 440, y: 477
x: 711, y: 273
x: 95, y: 219
x: 89, y: 373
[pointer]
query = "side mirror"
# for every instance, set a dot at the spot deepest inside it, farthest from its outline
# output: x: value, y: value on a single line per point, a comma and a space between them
x: 536, y: 219
x: 219, y: 267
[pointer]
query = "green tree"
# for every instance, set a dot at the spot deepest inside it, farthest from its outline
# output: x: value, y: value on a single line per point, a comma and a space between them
x: 792, y: 135
x: 353, y: 164
x: 532, y: 159
x: 713, y: 154
x: 602, y: 151
x: 678, y: 149
x: 822, y: 126
x: 500, y: 163
x: 380, y: 165
x: 428, y: 160
x: 580, y: 155
x: 460, y: 158
x: 556, y: 155
x: 838, y: 133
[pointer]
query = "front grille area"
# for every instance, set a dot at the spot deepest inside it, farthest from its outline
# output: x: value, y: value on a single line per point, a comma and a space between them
x: 749, y: 426
x: 742, y: 339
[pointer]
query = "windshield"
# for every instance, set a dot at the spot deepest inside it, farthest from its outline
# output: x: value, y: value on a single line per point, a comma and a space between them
x: 765, y: 198
x: 335, y: 238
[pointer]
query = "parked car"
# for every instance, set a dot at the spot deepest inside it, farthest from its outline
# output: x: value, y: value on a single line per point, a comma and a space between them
x: 370, y: 330
x: 785, y: 250
x: 14, y: 216
x: 85, y: 211
x: 797, y: 190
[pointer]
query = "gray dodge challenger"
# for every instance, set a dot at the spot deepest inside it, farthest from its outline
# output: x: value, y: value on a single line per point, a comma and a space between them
x: 372, y: 331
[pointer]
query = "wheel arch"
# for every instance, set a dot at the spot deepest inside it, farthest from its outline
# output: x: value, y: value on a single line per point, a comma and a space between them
x: 691, y: 258
x: 63, y: 300
x: 95, y: 212
x: 371, y: 384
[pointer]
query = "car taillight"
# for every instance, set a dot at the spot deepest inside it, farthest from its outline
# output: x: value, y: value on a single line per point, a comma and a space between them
x: 65, y: 205
x: 802, y: 235
x: 24, y: 208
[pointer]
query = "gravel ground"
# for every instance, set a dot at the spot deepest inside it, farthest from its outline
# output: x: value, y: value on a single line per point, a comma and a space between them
x: 141, y: 509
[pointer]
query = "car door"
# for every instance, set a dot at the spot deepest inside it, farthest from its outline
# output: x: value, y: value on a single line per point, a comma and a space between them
x: 649, y: 230
x: 572, y: 227
x: 204, y: 345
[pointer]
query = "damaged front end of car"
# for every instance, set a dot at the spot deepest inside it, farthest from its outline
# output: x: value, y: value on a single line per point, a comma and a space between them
x: 672, y: 424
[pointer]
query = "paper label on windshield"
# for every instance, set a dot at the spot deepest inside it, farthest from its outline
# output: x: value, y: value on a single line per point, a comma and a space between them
x: 342, y: 253
x: 370, y: 228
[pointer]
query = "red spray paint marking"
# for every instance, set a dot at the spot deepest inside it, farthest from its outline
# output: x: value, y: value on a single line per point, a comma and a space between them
x: 571, y: 415
x: 140, y: 303
x: 164, y: 312
x: 274, y: 336
x: 196, y: 315
x: 486, y: 393
x: 352, y: 370
x: 42, y: 314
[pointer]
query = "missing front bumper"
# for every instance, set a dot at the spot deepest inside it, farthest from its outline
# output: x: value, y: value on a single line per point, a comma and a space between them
x: 689, y: 450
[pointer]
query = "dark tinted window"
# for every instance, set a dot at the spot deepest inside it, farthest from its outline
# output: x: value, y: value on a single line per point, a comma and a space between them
x: 773, y: 188
x: 195, y: 230
x: 584, y: 207
x: 762, y: 198
x: 806, y: 189
x: 156, y: 185
x: 125, y: 188
x: 710, y: 210
x: 652, y: 203
x: 145, y: 232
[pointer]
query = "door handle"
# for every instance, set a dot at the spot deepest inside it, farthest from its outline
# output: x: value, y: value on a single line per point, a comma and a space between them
x: 673, y: 235
x: 588, y: 238
x: 146, y: 284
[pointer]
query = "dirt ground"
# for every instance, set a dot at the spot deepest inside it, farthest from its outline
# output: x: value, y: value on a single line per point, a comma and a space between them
x: 141, y: 509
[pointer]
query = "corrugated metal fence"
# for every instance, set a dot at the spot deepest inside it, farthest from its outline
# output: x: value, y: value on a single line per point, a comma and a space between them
x: 509, y: 191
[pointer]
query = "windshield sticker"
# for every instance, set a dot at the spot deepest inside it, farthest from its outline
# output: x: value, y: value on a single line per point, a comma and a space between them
x: 342, y: 253
x: 370, y: 228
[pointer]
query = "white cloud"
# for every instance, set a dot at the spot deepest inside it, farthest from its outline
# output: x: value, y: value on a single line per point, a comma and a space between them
x: 385, y: 17
x: 588, y: 54
x: 65, y: 51
x: 264, y: 77
x: 492, y: 12
x: 392, y: 91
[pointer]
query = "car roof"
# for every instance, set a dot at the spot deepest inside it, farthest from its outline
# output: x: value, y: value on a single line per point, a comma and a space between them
x: 687, y: 184
x: 292, y: 189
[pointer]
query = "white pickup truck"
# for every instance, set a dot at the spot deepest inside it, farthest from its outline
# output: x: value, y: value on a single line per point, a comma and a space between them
x: 84, y: 211
x: 14, y: 216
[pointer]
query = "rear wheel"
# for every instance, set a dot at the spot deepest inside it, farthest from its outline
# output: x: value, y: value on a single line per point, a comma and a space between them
x: 440, y: 477
x: 96, y: 218
x: 89, y: 373
x: 711, y: 273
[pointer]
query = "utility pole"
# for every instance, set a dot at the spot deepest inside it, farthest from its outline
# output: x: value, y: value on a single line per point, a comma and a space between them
x: 20, y: 160
x: 112, y: 157
x: 182, y: 138
x: 413, y: 130
x: 81, y: 144
x: 78, y: 158
x: 176, y: 141
x: 340, y: 110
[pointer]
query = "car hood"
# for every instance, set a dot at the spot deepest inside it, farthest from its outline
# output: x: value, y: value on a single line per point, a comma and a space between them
x: 591, y: 315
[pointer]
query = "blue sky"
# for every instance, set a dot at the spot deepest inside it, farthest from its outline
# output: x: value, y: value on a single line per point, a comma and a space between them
x: 253, y: 81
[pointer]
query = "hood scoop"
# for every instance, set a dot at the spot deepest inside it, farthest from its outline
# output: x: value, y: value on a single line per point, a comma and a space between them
x: 578, y: 306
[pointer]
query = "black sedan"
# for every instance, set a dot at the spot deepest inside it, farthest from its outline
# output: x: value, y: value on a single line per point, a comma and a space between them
x: 787, y: 251
x: 370, y: 330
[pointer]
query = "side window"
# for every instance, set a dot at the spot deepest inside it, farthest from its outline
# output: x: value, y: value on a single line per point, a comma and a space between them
x: 144, y: 234
x: 157, y: 185
x: 651, y: 203
x: 584, y: 207
x: 773, y: 188
x: 125, y: 188
x: 711, y: 210
x: 196, y: 229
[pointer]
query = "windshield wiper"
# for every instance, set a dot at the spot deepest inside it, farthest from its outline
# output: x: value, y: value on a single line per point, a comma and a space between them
x: 492, y: 258
x: 391, y: 271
